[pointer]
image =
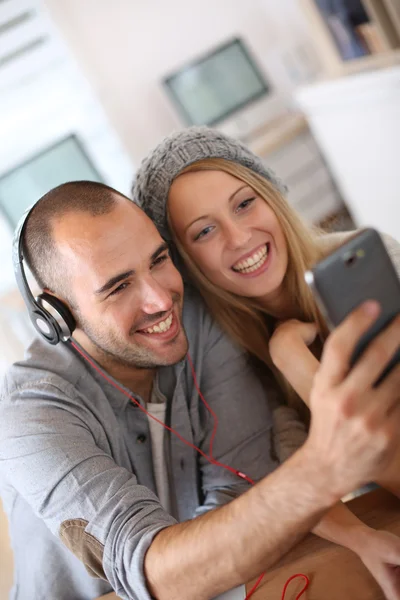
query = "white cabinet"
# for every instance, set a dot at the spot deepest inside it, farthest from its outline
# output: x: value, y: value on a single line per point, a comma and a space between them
x: 356, y: 122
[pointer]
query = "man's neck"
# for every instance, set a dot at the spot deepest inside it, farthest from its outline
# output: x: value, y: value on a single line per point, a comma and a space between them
x: 140, y: 381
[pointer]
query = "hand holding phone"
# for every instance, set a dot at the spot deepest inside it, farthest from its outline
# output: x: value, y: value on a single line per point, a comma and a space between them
x: 359, y: 270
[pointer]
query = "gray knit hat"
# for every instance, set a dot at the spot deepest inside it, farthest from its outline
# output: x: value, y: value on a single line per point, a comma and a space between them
x: 180, y: 149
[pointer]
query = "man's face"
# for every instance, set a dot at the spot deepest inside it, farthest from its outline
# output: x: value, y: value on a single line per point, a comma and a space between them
x: 127, y: 293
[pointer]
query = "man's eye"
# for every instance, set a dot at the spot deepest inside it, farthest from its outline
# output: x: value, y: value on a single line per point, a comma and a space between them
x: 119, y: 289
x: 245, y: 204
x: 203, y: 233
x: 160, y: 259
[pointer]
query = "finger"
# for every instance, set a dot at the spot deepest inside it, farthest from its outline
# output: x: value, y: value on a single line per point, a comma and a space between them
x: 390, y: 583
x: 388, y: 587
x: 393, y: 418
x: 308, y: 332
x: 340, y: 345
x: 390, y: 437
x: 374, y: 360
x: 386, y: 398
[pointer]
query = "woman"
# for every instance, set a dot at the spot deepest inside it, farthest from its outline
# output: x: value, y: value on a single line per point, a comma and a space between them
x: 247, y: 250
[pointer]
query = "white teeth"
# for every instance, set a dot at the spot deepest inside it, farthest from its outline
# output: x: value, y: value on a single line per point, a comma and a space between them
x: 252, y: 263
x: 161, y: 327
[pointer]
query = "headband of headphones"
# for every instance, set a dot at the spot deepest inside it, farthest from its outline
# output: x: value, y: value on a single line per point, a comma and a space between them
x: 50, y: 317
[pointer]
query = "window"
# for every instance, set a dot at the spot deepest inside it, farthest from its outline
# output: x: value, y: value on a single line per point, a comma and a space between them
x: 215, y: 86
x: 25, y: 184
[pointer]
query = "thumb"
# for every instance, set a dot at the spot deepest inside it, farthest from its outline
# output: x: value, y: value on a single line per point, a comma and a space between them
x: 390, y: 545
x: 308, y: 332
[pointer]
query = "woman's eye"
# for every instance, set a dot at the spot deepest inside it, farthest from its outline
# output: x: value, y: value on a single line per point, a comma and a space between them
x: 245, y: 203
x: 119, y: 289
x: 203, y: 232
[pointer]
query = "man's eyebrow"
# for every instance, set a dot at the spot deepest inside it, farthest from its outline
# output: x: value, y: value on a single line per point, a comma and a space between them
x: 122, y: 276
x: 113, y: 281
x: 161, y: 248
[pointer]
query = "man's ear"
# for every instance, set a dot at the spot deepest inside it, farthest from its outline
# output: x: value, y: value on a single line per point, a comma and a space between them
x: 61, y: 299
x: 62, y: 307
x: 51, y: 293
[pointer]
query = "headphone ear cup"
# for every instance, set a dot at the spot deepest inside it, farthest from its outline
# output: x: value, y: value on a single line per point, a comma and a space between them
x: 58, y: 315
x: 45, y: 325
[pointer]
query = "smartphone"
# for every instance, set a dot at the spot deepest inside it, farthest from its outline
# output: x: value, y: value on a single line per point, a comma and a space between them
x: 359, y: 270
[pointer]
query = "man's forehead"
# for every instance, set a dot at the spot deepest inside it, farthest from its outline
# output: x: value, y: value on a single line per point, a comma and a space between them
x: 124, y: 231
x: 78, y: 227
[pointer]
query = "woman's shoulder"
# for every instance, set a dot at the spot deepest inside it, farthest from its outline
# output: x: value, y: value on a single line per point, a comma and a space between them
x: 331, y: 241
x: 393, y: 248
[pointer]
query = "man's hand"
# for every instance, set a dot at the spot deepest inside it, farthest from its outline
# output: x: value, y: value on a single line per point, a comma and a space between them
x: 380, y: 553
x: 353, y: 435
x: 354, y: 426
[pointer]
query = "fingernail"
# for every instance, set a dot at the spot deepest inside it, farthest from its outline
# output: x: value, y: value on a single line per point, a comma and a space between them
x: 371, y: 308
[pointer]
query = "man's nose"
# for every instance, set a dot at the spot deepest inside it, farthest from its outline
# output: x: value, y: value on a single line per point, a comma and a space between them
x: 155, y: 297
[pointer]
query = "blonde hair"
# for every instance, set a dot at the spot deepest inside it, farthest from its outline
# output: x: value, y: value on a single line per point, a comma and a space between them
x: 243, y: 320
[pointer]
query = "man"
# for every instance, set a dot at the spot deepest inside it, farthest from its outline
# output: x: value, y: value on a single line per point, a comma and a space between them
x: 85, y: 469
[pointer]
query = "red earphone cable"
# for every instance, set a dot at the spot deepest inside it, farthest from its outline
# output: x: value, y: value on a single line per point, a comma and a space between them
x: 255, y: 586
x: 208, y: 457
x: 307, y: 583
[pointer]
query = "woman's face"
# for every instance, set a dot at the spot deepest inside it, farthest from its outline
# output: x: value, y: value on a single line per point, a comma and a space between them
x: 229, y: 232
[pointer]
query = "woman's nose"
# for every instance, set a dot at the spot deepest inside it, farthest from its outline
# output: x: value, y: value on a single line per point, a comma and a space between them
x: 237, y: 236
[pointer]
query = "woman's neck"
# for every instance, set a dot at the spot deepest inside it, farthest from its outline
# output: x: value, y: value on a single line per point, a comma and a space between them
x: 280, y: 305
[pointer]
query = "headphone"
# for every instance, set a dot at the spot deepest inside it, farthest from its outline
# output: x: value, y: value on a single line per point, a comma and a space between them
x: 51, y: 318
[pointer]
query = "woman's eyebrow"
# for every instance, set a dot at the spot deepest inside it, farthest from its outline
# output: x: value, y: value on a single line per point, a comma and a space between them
x: 231, y: 197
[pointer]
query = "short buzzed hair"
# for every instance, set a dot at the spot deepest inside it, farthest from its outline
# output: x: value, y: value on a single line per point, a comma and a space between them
x: 39, y: 248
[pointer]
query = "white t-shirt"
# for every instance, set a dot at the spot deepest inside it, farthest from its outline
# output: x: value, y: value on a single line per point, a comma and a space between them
x: 157, y: 407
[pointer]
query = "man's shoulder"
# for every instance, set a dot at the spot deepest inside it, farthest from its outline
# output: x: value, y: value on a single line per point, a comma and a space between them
x: 43, y: 366
x: 198, y: 321
x: 202, y: 330
x: 195, y: 313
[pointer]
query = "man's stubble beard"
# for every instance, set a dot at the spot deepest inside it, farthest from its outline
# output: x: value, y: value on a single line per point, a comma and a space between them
x: 112, y: 351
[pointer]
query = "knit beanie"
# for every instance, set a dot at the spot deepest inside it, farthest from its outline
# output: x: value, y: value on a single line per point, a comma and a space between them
x: 180, y: 149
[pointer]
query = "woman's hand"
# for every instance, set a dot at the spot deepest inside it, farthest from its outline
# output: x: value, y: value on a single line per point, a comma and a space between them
x: 380, y: 553
x: 294, y: 329
x: 289, y: 352
x: 288, y: 333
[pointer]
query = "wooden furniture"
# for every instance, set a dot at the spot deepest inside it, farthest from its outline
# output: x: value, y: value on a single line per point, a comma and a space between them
x: 287, y: 146
x: 6, y: 557
x: 335, y: 573
x: 381, y: 36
